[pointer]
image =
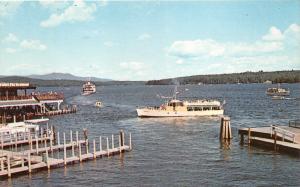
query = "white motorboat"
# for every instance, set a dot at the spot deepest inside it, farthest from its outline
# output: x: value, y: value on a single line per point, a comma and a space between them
x: 98, y: 104
x: 186, y: 108
x: 277, y: 91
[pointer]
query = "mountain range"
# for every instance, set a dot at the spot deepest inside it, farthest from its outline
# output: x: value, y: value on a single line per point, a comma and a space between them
x: 66, y: 76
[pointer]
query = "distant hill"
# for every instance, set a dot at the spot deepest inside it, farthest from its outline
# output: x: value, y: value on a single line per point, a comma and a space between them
x: 65, y: 76
x: 64, y: 83
x: 292, y: 76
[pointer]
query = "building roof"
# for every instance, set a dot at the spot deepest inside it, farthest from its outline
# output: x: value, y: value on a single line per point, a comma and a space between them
x: 12, y: 103
x: 16, y: 86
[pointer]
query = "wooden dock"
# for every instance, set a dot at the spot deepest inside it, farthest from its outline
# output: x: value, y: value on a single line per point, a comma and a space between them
x: 285, y: 139
x: 33, y: 159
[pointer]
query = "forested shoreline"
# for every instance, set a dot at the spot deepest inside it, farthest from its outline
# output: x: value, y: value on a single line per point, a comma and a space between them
x: 292, y: 76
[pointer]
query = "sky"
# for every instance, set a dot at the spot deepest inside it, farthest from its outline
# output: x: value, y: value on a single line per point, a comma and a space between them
x: 145, y: 40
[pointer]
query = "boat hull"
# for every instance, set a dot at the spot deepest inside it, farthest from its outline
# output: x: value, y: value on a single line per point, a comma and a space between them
x: 165, y: 113
x: 278, y: 94
x: 87, y: 93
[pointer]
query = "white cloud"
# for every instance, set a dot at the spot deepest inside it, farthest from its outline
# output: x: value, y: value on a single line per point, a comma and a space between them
x: 10, y: 50
x: 144, y: 36
x: 276, y: 50
x: 274, y: 34
x: 10, y: 38
x: 292, y: 33
x: 273, y: 41
x: 9, y: 7
x: 194, y: 48
x: 78, y: 11
x: 134, y: 66
x: 33, y: 44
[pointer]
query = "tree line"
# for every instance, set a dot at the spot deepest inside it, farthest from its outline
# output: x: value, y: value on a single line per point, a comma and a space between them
x: 292, y: 76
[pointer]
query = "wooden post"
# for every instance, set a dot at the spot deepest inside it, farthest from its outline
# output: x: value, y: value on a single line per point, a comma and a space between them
x: 47, y: 156
x: 65, y: 150
x: 120, y: 143
x: 107, y: 146
x: 275, y: 140
x: 2, y: 140
x: 87, y: 146
x: 80, y: 157
x: 29, y: 162
x: 45, y: 140
x: 249, y: 135
x: 37, y: 144
x: 71, y: 136
x: 2, y: 165
x: 100, y: 140
x: 51, y: 137
x: 30, y: 141
x: 130, y: 145
x: 16, y: 141
x: 42, y: 130
x: 112, y: 141
x: 8, y: 166
x: 94, y: 146
x: 77, y: 139
x: 123, y: 138
x: 47, y: 130
x: 225, y: 129
x: 58, y: 139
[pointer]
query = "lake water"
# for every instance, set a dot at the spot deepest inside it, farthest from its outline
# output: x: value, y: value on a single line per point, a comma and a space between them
x: 174, y: 151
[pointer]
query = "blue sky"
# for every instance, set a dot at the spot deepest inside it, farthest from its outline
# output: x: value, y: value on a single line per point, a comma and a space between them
x: 148, y: 40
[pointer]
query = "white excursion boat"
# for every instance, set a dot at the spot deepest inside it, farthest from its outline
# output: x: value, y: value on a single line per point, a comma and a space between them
x: 88, y: 88
x: 177, y: 108
x: 277, y: 91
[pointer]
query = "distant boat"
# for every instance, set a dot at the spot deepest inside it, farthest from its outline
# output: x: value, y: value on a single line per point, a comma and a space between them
x: 88, y: 88
x: 98, y: 104
x: 277, y: 91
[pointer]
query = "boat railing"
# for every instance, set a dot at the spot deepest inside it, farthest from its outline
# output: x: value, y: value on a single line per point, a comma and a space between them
x: 285, y: 134
x: 7, y: 137
x: 294, y: 123
x: 49, y: 96
x: 19, y: 97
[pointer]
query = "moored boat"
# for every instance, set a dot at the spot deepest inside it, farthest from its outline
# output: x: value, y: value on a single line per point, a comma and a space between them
x: 278, y: 91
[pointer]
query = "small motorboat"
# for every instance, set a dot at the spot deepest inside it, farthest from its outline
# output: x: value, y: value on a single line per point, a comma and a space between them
x: 98, y: 104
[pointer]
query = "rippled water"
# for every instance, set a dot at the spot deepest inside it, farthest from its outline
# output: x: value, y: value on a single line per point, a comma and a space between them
x: 174, y: 151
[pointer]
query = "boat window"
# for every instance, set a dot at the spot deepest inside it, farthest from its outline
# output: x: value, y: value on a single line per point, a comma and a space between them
x: 198, y: 108
x: 216, y: 108
x: 189, y: 108
x: 206, y: 108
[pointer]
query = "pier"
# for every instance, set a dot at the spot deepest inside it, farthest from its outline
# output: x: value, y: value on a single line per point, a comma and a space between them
x: 285, y: 139
x: 75, y: 150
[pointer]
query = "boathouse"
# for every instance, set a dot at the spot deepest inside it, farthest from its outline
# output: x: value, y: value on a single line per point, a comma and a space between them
x: 20, y: 101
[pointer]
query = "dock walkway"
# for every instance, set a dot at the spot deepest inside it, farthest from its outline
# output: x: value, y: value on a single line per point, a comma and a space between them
x: 284, y: 139
x: 27, y: 161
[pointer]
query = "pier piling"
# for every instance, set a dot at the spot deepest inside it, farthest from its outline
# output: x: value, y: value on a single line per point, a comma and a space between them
x: 225, y: 129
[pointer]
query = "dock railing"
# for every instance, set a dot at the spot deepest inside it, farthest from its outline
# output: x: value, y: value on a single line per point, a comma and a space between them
x: 285, y: 134
x: 295, y: 123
